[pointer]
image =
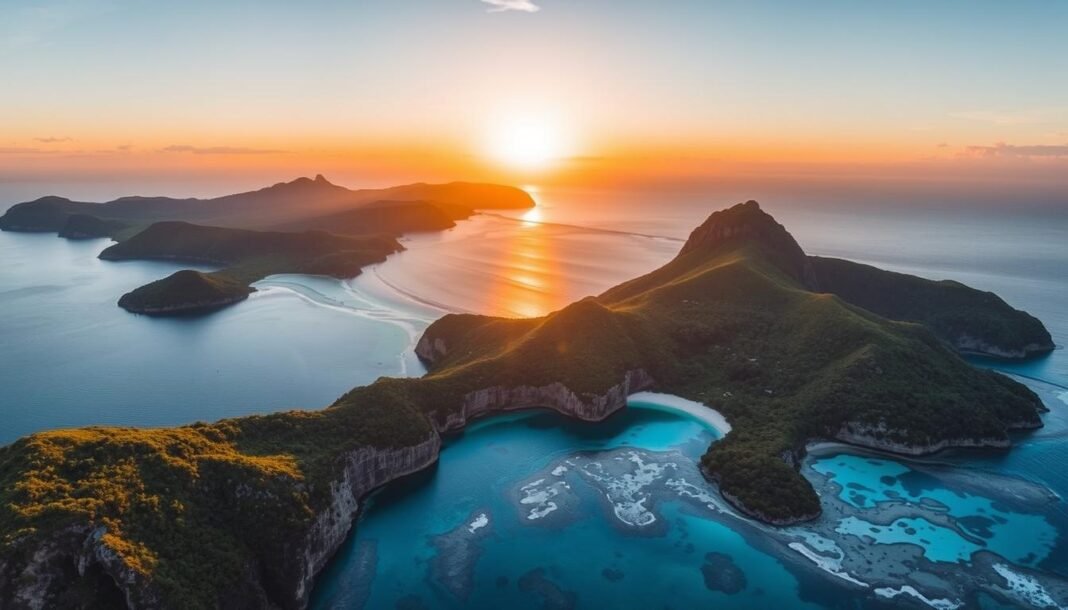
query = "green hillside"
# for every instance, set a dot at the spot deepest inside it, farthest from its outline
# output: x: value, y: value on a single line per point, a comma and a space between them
x: 216, y: 515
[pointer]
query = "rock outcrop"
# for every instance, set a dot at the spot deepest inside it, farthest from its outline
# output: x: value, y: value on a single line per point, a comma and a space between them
x: 41, y: 577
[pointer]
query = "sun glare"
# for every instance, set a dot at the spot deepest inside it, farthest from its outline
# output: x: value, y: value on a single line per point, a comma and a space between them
x: 526, y: 141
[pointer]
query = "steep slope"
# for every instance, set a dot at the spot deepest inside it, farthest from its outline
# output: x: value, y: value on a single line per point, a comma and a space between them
x: 245, y: 512
x: 185, y: 291
x: 972, y: 321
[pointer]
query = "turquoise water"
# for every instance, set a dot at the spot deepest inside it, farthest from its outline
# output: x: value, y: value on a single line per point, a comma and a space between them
x: 960, y: 529
x: 419, y: 532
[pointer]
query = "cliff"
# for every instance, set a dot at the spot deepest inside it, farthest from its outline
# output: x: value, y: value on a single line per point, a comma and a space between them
x: 103, y: 556
x: 245, y: 512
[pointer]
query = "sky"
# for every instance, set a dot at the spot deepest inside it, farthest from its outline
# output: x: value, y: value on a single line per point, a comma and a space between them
x: 551, y: 91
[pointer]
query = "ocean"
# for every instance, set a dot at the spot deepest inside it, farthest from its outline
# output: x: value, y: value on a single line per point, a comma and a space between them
x: 960, y: 528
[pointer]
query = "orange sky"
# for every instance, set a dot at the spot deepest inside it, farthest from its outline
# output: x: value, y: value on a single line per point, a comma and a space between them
x: 381, y: 93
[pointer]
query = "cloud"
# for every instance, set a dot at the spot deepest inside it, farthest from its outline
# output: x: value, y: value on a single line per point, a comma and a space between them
x: 524, y: 6
x: 21, y: 150
x: 1002, y: 150
x: 54, y: 140
x: 220, y: 150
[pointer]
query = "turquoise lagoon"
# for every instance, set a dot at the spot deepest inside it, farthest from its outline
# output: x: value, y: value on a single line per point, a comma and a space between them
x: 621, y: 514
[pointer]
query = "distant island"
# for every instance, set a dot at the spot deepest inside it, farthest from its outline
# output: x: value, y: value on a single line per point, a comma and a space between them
x: 791, y: 349
x: 304, y: 226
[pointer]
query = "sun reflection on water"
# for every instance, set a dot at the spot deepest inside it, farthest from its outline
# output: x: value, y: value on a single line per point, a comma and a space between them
x: 532, y: 272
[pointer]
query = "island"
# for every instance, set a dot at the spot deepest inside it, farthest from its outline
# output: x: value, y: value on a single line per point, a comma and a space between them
x: 309, y: 202
x: 246, y: 256
x: 246, y: 512
x: 308, y: 225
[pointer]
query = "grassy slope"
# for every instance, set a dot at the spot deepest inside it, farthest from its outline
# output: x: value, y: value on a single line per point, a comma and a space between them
x: 950, y: 309
x: 199, y: 509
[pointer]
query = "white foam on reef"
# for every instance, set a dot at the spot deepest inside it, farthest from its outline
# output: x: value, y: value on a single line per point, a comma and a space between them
x: 683, y: 487
x: 480, y: 522
x: 827, y: 564
x: 541, y: 497
x: 669, y: 402
x: 1063, y: 397
x: 938, y: 604
x: 559, y: 470
x: 625, y: 492
x: 1026, y: 588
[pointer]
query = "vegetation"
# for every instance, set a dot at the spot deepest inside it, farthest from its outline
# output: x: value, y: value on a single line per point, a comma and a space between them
x: 185, y: 291
x: 305, y: 202
x: 84, y: 226
x: 967, y: 318
x: 246, y: 255
x: 214, y: 514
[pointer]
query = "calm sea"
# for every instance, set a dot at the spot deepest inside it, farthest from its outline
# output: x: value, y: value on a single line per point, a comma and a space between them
x: 71, y: 357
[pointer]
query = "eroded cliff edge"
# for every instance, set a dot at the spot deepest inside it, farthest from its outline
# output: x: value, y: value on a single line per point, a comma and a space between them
x: 245, y: 512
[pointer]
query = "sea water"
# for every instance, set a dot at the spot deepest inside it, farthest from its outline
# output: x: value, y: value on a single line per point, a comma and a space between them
x: 961, y: 528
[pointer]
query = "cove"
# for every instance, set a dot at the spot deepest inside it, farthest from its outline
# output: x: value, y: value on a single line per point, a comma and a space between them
x: 534, y: 510
x: 537, y: 510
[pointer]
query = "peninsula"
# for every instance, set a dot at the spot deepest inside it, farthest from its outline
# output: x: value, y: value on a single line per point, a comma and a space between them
x: 246, y: 512
x: 304, y: 226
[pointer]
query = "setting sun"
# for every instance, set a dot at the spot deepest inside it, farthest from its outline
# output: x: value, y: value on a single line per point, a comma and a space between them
x: 526, y: 141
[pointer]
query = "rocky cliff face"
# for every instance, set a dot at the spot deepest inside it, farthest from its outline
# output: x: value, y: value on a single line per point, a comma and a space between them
x: 73, y: 558
x: 555, y: 396
x: 42, y: 577
x: 969, y: 345
x: 369, y: 468
x: 365, y: 469
x: 876, y: 437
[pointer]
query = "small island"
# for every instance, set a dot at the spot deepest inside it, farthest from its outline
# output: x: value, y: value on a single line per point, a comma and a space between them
x: 185, y: 292
x: 246, y: 256
x: 304, y: 226
x: 246, y: 512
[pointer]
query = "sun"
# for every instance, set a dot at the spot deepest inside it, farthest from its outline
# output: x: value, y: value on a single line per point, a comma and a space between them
x: 527, y: 141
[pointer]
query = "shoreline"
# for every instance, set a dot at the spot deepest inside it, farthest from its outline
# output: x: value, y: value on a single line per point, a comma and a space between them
x: 676, y: 404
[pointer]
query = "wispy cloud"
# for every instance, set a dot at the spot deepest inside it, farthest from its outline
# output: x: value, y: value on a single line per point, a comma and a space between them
x: 22, y: 150
x: 219, y: 150
x: 524, y: 6
x: 53, y: 140
x: 1003, y: 150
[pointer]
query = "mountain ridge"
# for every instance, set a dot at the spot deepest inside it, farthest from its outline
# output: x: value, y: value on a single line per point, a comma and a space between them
x: 246, y: 511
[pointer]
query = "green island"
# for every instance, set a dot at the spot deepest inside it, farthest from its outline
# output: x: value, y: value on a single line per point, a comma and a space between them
x: 304, y: 226
x: 246, y: 512
x: 246, y: 256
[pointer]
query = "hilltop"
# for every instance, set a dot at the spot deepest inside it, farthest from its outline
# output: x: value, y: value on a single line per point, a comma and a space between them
x: 245, y: 512
x: 300, y: 201
x: 307, y: 225
x: 246, y: 256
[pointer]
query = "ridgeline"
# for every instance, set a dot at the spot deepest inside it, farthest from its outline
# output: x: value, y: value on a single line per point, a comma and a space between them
x: 245, y: 512
x: 304, y: 226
